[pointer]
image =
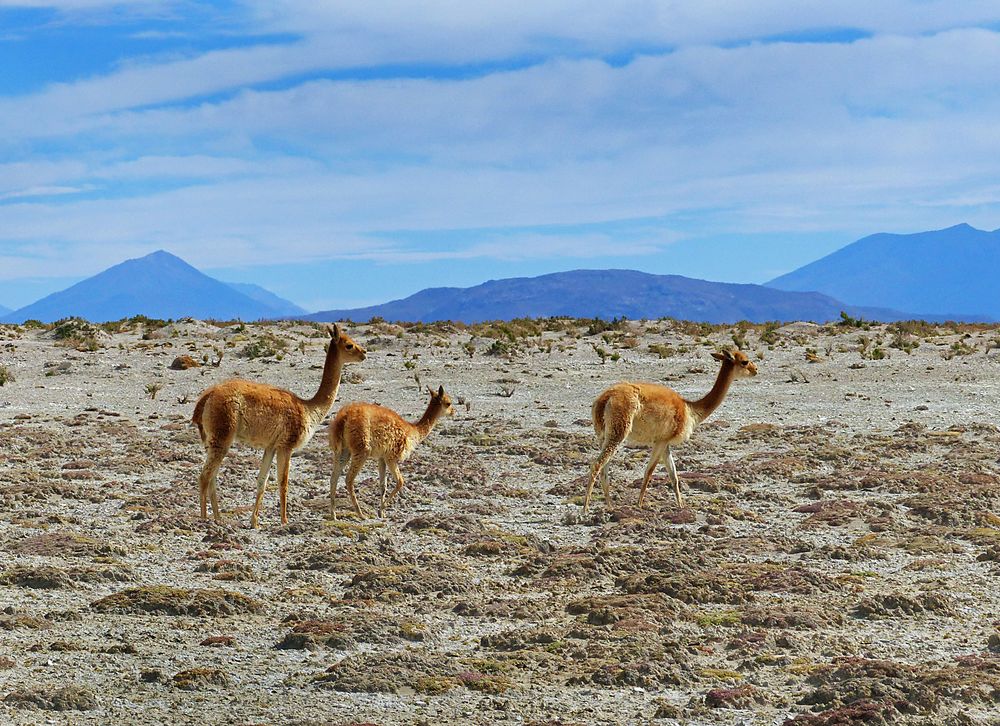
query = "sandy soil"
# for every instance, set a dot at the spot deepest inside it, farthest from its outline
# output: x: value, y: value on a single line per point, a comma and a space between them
x: 837, y: 561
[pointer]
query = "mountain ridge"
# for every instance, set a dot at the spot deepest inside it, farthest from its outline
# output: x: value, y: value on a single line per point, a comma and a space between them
x: 926, y: 272
x: 608, y: 294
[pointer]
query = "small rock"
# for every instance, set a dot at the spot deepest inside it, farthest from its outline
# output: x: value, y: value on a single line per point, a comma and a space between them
x: 218, y: 641
x: 183, y: 362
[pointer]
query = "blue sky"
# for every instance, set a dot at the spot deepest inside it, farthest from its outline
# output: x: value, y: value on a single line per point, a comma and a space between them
x: 348, y: 153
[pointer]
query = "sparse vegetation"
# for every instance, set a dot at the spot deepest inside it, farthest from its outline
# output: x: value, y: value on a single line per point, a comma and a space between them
x: 862, y: 499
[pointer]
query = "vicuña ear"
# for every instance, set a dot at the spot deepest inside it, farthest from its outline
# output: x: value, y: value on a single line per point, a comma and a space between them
x: 429, y: 390
x: 718, y: 356
x: 334, y: 331
x: 729, y: 356
x: 440, y: 391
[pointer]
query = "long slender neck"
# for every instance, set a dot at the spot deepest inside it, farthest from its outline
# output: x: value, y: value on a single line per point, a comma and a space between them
x: 427, y: 421
x: 704, y: 406
x: 327, y: 392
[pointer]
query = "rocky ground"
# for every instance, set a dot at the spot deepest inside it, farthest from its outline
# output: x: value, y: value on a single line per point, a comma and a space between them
x: 837, y: 561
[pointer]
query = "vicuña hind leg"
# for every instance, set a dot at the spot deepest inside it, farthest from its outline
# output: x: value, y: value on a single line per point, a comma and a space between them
x: 381, y: 481
x: 597, y: 469
x: 338, y: 466
x: 207, y: 481
x: 605, y: 487
x: 284, y: 464
x: 352, y: 473
x: 262, y: 477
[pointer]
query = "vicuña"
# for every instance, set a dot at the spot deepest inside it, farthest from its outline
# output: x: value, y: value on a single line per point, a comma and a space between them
x: 267, y: 418
x: 653, y: 415
x: 361, y: 431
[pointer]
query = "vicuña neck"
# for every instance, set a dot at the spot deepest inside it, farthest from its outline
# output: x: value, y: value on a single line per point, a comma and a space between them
x: 327, y: 392
x: 704, y: 406
x: 427, y: 421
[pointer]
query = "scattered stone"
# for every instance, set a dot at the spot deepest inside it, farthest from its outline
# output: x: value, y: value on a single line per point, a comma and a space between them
x: 218, y: 641
x: 153, y: 675
x: 183, y: 363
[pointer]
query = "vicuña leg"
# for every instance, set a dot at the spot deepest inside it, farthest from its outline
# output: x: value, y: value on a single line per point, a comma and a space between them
x: 338, y: 466
x: 262, y: 477
x: 381, y: 481
x: 674, y: 478
x: 604, y: 484
x: 597, y: 469
x: 394, y: 466
x: 207, y: 481
x: 357, y: 461
x: 654, y: 459
x: 284, y: 464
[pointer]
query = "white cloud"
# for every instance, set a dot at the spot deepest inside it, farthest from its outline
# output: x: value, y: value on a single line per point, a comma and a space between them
x: 885, y: 132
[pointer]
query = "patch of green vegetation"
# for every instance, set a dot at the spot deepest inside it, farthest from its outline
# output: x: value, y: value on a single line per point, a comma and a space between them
x: 724, y: 618
x: 267, y: 345
x: 720, y: 674
x: 596, y: 326
x: 847, y: 321
x: 434, y: 685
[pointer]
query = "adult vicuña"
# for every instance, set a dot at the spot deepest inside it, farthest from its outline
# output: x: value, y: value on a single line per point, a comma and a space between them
x: 656, y: 416
x: 266, y: 417
x: 360, y: 431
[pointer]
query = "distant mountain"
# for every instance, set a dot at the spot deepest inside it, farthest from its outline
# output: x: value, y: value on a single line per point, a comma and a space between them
x: 608, y: 294
x: 4, y: 310
x: 280, y: 306
x: 159, y: 285
x: 948, y: 273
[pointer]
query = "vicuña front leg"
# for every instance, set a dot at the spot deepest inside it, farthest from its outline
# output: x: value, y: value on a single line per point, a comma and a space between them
x: 262, y: 477
x: 399, y: 482
x: 674, y: 478
x: 654, y: 459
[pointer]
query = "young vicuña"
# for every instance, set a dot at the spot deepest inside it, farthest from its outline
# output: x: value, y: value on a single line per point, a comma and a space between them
x: 361, y: 431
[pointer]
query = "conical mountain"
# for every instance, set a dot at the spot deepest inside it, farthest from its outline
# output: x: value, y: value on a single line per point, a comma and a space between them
x: 159, y: 285
x: 949, y: 271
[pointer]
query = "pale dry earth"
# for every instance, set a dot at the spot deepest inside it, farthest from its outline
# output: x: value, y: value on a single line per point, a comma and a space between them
x: 837, y: 560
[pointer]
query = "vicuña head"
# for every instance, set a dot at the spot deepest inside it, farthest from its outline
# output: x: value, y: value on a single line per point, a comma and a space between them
x: 361, y: 431
x: 653, y: 415
x: 267, y: 418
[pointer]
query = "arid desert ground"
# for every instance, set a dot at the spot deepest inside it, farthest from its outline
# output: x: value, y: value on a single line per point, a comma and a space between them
x: 837, y: 560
